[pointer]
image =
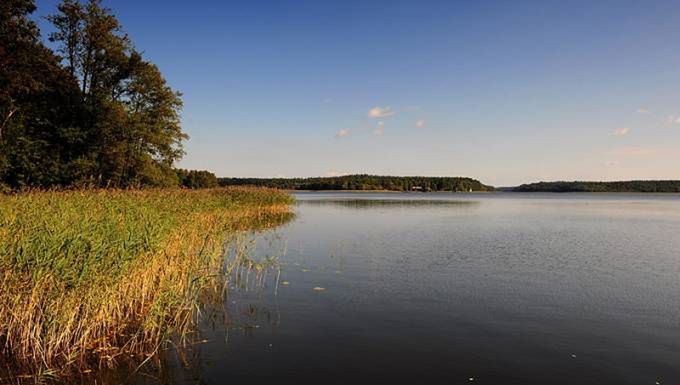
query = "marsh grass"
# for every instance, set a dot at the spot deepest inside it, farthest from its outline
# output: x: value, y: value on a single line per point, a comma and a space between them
x: 90, y: 279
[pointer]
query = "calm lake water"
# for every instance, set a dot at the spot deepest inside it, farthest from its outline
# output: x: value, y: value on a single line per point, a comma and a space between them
x: 455, y: 289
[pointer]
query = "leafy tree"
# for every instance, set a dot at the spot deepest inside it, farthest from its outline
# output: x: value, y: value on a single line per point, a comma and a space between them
x: 97, y: 114
x: 18, y: 43
x: 196, y: 178
x: 132, y: 114
x: 36, y: 102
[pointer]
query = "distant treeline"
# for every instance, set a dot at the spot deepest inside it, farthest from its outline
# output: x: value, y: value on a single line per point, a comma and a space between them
x: 647, y: 186
x: 87, y: 110
x: 364, y: 182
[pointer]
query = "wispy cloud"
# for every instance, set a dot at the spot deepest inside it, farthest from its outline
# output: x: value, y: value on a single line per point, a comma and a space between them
x: 342, y: 133
x: 380, y: 112
x: 623, y: 131
x: 673, y: 119
x: 379, y: 128
x: 420, y: 123
x: 643, y: 110
x: 612, y: 163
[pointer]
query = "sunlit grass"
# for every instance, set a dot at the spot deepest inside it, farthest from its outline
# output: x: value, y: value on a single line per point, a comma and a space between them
x: 92, y: 278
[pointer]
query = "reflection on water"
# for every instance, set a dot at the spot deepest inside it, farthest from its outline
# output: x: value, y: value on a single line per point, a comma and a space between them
x: 245, y: 304
x: 240, y: 300
x: 445, y: 288
x: 388, y: 203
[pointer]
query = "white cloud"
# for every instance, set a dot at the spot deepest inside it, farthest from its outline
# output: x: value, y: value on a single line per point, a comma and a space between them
x: 379, y: 128
x: 673, y: 119
x: 642, y: 110
x: 342, y: 133
x: 380, y: 112
x: 623, y: 131
x: 420, y: 123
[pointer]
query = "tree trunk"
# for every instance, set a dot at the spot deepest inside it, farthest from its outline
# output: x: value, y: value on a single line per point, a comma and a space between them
x: 11, y: 112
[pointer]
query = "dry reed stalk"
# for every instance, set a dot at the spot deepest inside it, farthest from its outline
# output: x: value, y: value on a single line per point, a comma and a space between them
x: 92, y: 278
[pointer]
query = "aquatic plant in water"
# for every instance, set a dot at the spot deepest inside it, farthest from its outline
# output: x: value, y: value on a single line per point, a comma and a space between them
x: 94, y: 278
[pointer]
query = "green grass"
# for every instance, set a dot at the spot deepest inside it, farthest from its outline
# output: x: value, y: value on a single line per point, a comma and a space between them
x: 93, y: 278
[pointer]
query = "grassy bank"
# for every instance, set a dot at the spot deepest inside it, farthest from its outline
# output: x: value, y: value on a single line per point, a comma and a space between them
x: 93, y: 278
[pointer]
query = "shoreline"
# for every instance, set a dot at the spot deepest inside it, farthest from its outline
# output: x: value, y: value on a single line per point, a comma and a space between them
x: 486, y: 192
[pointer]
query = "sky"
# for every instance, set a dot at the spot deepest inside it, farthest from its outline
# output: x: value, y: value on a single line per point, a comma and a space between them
x: 506, y: 92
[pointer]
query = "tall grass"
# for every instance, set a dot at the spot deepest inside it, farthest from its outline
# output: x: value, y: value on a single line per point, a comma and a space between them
x: 92, y: 278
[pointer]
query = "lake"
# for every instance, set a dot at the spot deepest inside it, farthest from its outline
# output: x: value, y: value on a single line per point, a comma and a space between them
x: 500, y: 288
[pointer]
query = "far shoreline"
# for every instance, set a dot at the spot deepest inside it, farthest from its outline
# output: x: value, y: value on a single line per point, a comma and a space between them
x: 487, y: 192
x: 397, y: 191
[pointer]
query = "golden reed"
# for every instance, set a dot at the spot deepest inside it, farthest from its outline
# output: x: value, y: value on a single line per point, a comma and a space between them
x: 94, y: 278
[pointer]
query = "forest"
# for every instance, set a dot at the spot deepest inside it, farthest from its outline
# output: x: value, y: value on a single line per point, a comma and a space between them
x: 89, y: 110
x: 364, y: 182
x: 646, y: 186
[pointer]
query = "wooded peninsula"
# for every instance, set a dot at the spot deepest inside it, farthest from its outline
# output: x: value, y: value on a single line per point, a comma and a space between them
x: 641, y: 186
x: 364, y: 182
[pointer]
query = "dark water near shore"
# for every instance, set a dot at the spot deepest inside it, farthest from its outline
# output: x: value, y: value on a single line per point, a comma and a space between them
x: 457, y: 289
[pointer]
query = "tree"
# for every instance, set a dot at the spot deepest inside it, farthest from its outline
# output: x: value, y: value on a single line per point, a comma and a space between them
x: 35, y: 102
x: 18, y: 42
x: 196, y: 178
x: 154, y: 133
x: 131, y: 114
x: 98, y: 114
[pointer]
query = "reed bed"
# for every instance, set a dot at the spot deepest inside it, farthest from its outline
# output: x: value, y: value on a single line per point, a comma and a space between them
x: 92, y: 278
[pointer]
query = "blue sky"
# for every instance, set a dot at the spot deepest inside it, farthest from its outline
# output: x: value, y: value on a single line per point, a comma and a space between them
x: 504, y: 91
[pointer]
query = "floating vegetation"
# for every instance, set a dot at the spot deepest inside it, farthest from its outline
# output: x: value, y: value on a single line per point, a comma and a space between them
x: 92, y: 279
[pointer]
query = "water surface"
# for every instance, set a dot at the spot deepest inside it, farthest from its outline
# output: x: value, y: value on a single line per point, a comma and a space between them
x: 459, y: 288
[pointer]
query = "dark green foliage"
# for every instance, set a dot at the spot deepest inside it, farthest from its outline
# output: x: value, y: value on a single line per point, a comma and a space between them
x: 364, y: 182
x: 196, y: 178
x: 647, y: 186
x: 35, y: 102
x: 98, y: 114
